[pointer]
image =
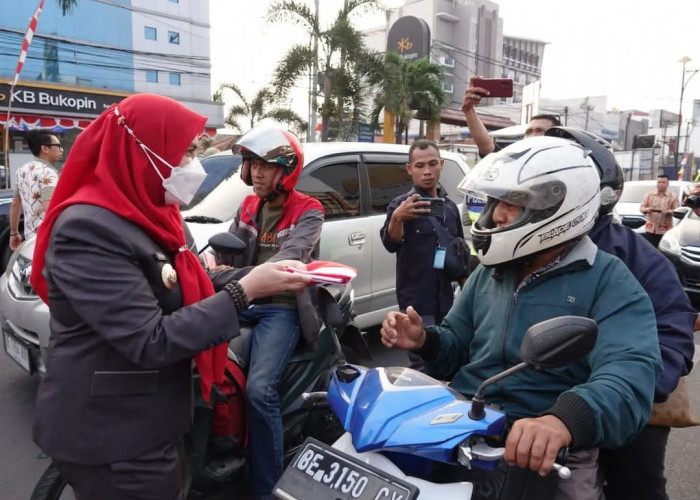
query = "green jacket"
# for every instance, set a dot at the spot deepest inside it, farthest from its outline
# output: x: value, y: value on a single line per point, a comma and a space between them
x: 605, y: 398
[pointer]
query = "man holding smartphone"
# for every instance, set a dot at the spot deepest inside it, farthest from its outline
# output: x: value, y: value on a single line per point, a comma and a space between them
x: 410, y: 232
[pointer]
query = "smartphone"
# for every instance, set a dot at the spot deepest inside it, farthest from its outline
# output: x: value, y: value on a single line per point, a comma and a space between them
x: 497, y: 87
x: 437, y: 205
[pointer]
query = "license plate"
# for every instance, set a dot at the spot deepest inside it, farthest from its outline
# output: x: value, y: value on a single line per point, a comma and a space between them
x: 17, y: 350
x: 321, y: 472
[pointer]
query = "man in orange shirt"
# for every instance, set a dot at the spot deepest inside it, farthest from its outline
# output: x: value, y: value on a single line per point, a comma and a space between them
x: 658, y: 206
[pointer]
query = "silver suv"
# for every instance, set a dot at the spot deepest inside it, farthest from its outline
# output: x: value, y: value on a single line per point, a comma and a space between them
x: 355, y: 182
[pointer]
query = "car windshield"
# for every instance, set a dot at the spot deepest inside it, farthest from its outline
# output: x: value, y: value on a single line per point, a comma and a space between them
x: 633, y: 192
x: 217, y: 168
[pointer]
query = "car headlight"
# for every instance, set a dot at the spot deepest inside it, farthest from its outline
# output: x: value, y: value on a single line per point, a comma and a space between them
x: 670, y: 244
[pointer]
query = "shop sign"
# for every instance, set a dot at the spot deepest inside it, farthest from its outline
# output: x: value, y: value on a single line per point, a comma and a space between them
x: 57, y: 101
x: 409, y: 37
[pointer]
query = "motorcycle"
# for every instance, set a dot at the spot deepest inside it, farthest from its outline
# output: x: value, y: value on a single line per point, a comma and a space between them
x: 215, y: 469
x: 400, y: 422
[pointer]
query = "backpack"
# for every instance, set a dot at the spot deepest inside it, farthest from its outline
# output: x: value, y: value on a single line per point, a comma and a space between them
x: 229, y: 426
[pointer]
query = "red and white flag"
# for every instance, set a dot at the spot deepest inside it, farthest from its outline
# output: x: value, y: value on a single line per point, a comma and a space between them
x: 27, y: 40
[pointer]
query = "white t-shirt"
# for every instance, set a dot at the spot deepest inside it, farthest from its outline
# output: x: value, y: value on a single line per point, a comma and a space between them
x: 36, y: 181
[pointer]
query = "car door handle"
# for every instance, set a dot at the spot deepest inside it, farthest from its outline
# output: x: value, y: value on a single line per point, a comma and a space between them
x: 358, y: 238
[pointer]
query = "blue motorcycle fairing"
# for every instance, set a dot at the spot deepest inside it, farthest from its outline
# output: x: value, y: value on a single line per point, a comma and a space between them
x: 340, y: 394
x: 402, y: 410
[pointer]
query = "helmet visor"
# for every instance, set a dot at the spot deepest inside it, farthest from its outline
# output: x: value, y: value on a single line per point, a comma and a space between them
x: 269, y: 144
x: 487, y: 180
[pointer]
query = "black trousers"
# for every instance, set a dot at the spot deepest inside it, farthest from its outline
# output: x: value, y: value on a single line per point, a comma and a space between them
x: 636, y: 471
x: 156, y: 475
x: 654, y: 239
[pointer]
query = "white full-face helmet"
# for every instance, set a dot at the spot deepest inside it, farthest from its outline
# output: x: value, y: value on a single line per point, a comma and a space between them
x: 556, y: 183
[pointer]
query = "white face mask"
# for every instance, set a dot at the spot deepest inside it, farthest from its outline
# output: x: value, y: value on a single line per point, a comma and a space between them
x: 184, y: 181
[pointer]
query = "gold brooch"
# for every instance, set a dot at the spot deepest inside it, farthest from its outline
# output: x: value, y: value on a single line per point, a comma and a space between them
x: 169, y: 276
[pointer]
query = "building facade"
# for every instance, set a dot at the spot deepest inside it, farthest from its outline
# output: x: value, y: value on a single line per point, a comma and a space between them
x: 467, y: 40
x: 102, y: 51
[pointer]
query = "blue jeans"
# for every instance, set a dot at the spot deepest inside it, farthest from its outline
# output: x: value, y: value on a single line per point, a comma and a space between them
x: 275, y: 335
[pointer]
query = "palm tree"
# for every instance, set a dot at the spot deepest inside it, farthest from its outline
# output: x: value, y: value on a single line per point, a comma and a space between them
x: 408, y: 86
x: 256, y: 109
x: 348, y: 68
x: 67, y: 5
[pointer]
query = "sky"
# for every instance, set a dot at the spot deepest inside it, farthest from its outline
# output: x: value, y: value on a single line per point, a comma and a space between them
x: 627, y: 50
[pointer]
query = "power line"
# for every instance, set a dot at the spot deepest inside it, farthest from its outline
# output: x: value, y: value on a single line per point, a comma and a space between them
x: 20, y: 37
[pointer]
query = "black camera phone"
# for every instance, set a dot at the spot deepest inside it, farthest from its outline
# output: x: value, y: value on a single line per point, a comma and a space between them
x: 437, y: 206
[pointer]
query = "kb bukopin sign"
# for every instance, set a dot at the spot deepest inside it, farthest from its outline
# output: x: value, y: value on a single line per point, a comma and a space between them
x: 410, y: 38
x: 25, y: 98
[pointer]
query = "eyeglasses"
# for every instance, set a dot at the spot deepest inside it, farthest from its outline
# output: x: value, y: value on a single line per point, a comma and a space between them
x: 58, y: 145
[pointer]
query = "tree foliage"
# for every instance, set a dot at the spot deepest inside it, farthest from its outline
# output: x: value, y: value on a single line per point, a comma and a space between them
x: 409, y: 86
x: 348, y: 68
x: 256, y: 109
x: 67, y: 5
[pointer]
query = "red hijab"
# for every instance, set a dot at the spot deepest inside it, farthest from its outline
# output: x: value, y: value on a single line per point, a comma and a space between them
x: 106, y: 167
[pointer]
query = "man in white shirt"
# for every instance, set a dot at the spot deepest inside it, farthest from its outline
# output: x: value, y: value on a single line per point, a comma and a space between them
x: 34, y: 185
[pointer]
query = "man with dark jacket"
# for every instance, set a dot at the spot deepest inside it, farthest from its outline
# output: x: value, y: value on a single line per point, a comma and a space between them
x: 637, y: 470
x: 410, y: 232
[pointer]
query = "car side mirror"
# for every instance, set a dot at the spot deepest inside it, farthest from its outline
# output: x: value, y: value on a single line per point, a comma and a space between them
x: 558, y: 341
x: 633, y: 222
x: 227, y: 243
x: 680, y: 212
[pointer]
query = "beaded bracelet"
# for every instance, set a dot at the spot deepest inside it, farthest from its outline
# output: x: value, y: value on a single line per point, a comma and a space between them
x: 237, y: 294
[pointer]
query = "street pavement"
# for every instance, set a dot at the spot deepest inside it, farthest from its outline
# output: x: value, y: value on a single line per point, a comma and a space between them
x: 22, y: 463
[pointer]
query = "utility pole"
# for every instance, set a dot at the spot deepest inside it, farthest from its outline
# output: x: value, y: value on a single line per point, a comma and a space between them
x: 684, y: 82
x: 313, y: 91
x: 587, y: 108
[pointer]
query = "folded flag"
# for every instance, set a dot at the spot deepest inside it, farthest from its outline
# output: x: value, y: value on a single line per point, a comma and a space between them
x: 324, y: 271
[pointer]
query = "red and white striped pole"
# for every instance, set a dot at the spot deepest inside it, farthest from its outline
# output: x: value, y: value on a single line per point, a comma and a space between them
x: 20, y: 62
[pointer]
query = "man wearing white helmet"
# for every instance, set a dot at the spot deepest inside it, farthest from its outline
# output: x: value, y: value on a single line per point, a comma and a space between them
x: 636, y: 471
x: 542, y: 198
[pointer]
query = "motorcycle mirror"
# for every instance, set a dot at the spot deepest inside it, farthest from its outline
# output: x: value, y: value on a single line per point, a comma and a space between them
x: 558, y: 341
x: 227, y: 243
x: 633, y: 222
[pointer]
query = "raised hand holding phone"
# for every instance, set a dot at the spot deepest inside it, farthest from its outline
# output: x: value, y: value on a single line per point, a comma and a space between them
x: 496, y: 87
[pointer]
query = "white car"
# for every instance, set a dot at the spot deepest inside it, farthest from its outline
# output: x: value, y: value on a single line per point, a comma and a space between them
x: 355, y: 182
x: 627, y: 208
